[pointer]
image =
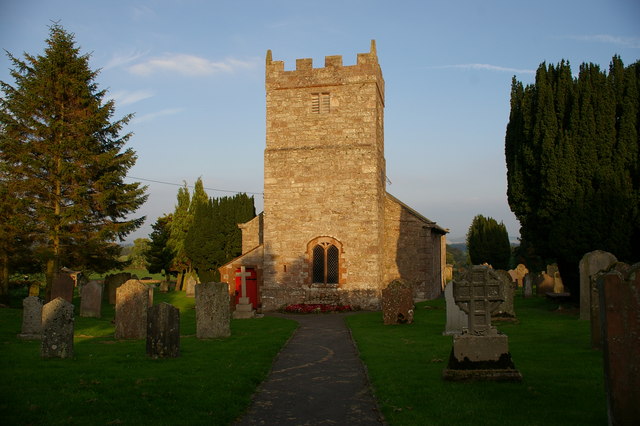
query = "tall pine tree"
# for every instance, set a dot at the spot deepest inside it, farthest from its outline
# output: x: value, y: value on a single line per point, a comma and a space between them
x: 61, y: 152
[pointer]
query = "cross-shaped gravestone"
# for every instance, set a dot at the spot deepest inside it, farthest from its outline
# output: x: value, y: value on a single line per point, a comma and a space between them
x: 244, y: 308
x: 243, y: 274
x: 478, y: 293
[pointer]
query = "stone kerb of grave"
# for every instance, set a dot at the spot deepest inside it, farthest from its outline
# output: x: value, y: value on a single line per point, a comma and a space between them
x: 480, y: 352
x: 397, y: 303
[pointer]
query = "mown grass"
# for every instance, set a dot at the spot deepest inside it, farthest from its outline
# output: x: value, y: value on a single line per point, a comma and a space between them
x: 114, y: 382
x: 563, y: 378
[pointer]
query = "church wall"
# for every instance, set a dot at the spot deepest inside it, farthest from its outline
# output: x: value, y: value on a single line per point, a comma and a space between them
x: 251, y: 233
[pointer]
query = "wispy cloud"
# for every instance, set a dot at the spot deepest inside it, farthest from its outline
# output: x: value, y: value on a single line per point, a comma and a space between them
x: 126, y: 98
x: 488, y: 67
x: 633, y: 42
x: 189, y: 65
x: 121, y: 59
x: 153, y: 115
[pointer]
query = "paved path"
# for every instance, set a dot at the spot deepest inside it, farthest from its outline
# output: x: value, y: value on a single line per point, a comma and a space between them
x: 317, y: 379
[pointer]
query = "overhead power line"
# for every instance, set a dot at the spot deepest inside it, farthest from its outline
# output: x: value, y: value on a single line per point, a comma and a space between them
x: 192, y: 186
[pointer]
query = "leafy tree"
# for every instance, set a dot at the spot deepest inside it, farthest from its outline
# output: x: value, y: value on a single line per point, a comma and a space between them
x: 136, y: 258
x: 488, y: 242
x: 61, y: 152
x: 178, y: 228
x: 573, y: 167
x: 159, y: 255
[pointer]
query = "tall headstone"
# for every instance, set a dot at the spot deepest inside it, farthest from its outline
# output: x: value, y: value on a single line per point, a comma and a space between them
x: 132, y: 302
x: 521, y: 272
x: 506, y: 308
x: 620, y: 304
x: 34, y: 289
x: 91, y: 299
x: 62, y: 286
x: 213, y: 313
x: 57, y: 329
x: 596, y: 327
x: 163, y: 331
x: 31, y: 318
x: 457, y: 319
x: 112, y: 282
x: 528, y: 286
x: 480, y: 352
x: 397, y: 303
x: 190, y: 281
x: 590, y: 264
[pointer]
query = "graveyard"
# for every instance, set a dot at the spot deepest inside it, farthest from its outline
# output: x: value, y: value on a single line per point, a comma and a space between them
x: 114, y: 381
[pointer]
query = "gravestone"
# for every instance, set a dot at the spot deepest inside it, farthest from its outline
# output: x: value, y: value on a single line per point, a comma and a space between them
x: 190, y: 281
x: 397, y: 303
x: 163, y: 331
x: 213, y: 313
x: 620, y: 304
x: 596, y: 327
x: 590, y: 264
x: 558, y: 286
x: 457, y: 319
x: 528, y: 286
x: 545, y: 284
x: 91, y: 299
x: 244, y: 308
x: 34, y: 290
x: 62, y: 286
x: 31, y: 318
x: 57, y: 329
x: 132, y: 302
x: 112, y: 282
x: 506, y: 308
x: 521, y: 272
x: 480, y: 352
x: 164, y: 286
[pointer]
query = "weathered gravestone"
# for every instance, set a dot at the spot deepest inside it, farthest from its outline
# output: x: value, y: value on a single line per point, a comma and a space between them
x: 62, y: 286
x: 397, y: 303
x: 213, y: 313
x: 31, y: 318
x: 544, y: 283
x: 57, y: 329
x: 190, y: 281
x: 34, y: 289
x: 132, y: 302
x: 590, y: 264
x: 457, y: 319
x: 528, y: 286
x: 596, y: 327
x: 112, y: 282
x: 619, y: 313
x: 164, y: 286
x: 506, y: 308
x: 244, y: 308
x: 521, y: 272
x: 163, y: 331
x: 480, y: 352
x: 91, y: 299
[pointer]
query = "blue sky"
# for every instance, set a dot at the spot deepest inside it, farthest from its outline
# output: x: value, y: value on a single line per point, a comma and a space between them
x: 193, y: 73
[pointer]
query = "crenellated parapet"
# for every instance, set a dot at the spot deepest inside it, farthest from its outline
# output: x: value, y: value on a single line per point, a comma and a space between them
x: 366, y: 70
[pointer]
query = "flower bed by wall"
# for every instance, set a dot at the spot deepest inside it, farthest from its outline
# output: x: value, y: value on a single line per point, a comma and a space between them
x: 311, y: 308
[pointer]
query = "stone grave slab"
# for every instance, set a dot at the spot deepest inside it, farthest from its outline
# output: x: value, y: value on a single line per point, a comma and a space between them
x: 590, y: 264
x: 620, y: 304
x: 457, y: 319
x: 62, y: 286
x: 112, y: 282
x: 596, y: 327
x: 132, y: 302
x: 397, y: 303
x: 506, y: 310
x: 190, y: 281
x: 57, y: 329
x: 163, y: 331
x: 91, y: 299
x: 31, y: 318
x: 213, y: 313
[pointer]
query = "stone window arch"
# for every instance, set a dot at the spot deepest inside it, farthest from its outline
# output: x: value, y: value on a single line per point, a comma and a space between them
x: 325, y: 259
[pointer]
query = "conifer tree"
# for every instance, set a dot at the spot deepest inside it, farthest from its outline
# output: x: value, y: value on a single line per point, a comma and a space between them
x: 178, y: 229
x: 159, y: 255
x: 61, y: 152
x: 488, y: 242
x: 572, y: 153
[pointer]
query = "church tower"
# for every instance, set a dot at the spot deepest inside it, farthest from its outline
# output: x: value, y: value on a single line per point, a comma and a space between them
x: 324, y: 179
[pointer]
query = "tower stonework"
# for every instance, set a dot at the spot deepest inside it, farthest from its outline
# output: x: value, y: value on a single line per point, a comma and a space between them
x: 329, y: 232
x: 324, y: 171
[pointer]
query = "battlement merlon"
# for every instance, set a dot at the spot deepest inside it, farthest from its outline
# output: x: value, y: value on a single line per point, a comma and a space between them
x: 367, y: 69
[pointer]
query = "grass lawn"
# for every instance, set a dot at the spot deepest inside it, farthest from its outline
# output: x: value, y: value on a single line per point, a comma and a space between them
x: 563, y: 377
x: 114, y: 382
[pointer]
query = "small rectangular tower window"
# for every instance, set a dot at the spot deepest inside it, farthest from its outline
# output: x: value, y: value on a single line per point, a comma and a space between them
x: 320, y: 103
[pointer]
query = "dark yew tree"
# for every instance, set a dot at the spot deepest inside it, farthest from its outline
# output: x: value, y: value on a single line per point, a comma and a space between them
x: 488, y: 242
x: 159, y: 254
x: 573, y: 165
x: 62, y: 154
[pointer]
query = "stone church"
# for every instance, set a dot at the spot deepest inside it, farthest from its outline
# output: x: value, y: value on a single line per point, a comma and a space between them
x: 330, y: 232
